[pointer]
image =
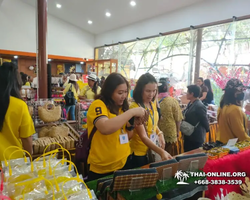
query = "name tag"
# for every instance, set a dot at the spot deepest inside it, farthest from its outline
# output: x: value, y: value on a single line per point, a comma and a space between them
x: 124, y: 138
x: 153, y: 137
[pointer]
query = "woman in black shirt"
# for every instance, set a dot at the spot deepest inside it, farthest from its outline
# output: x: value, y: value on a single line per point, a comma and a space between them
x: 210, y: 95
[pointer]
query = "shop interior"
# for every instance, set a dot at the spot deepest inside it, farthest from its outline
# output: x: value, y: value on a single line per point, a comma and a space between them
x: 65, y: 53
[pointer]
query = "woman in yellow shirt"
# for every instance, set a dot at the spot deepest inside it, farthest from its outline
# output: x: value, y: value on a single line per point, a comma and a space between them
x: 144, y: 136
x: 90, y: 90
x: 231, y: 119
x: 16, y: 125
x: 107, y: 117
x: 72, y: 86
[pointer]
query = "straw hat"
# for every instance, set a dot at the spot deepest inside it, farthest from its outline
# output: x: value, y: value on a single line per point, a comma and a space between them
x: 73, y: 77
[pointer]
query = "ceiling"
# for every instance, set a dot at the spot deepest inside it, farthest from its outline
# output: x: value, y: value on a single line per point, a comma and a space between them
x: 78, y: 12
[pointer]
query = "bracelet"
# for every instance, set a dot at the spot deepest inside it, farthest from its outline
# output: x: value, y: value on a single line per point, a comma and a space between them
x: 160, y: 133
x: 130, y: 128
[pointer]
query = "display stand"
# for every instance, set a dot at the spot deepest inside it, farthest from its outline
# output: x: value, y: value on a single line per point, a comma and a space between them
x: 136, y: 184
x: 194, y: 165
x: 166, y: 174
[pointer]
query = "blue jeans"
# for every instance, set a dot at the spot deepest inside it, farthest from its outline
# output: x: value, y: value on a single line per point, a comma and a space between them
x: 72, y: 111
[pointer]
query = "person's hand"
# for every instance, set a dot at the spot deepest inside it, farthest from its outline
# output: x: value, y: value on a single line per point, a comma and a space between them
x: 138, y: 112
x: 166, y: 156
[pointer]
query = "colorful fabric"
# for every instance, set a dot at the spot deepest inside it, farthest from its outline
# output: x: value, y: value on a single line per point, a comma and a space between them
x: 235, y: 84
x: 171, y: 113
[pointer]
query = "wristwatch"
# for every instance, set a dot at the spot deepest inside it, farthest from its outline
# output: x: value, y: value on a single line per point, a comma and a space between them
x: 130, y: 128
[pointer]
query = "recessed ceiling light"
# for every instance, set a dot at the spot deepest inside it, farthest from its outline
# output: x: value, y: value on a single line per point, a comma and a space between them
x: 49, y: 60
x: 81, y: 63
x: 108, y: 14
x: 58, y: 5
x: 90, y: 22
x: 15, y: 57
x: 132, y: 3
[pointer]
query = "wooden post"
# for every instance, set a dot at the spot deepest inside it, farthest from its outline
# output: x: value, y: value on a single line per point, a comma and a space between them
x: 198, y: 55
x: 42, y: 54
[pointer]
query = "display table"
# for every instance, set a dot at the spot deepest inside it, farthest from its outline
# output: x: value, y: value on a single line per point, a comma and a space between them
x: 169, y: 191
x: 230, y: 163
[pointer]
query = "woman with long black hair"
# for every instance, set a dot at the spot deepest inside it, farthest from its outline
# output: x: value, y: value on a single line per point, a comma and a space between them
x: 72, y: 86
x: 144, y: 135
x: 107, y: 120
x: 16, y: 125
x: 210, y: 95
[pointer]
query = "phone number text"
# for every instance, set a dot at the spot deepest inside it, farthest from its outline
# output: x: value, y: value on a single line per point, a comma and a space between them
x: 218, y: 182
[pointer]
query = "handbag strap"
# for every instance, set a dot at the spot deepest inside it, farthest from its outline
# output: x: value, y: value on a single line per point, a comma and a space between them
x: 188, y: 109
x: 70, y: 88
x: 92, y: 135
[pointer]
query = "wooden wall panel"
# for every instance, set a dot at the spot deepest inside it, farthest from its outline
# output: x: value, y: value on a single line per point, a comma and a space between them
x: 23, y: 66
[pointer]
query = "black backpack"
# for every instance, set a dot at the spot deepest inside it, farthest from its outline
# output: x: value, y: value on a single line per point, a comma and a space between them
x: 69, y: 97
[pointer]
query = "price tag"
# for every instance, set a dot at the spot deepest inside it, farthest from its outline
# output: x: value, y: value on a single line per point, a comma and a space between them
x: 232, y: 142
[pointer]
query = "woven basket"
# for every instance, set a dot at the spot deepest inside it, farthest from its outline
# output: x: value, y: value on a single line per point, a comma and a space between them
x: 35, y: 147
x: 60, y: 130
x: 52, y: 115
x: 67, y: 142
x: 44, y: 132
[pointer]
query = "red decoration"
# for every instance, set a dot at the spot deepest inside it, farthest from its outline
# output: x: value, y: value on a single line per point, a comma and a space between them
x: 231, y: 163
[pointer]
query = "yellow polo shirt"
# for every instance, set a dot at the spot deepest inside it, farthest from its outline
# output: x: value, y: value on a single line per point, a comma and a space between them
x: 232, y: 124
x: 137, y: 146
x: 106, y: 154
x: 17, y: 124
x: 88, y: 93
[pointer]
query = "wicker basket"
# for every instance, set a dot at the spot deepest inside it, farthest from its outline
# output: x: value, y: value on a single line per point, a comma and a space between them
x: 44, y: 132
x: 60, y: 130
x: 52, y: 115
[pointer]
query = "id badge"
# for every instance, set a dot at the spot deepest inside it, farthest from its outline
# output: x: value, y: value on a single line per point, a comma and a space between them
x: 124, y: 138
x: 153, y: 137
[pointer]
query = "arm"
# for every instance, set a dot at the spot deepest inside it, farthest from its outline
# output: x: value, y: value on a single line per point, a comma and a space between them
x: 177, y: 116
x: 27, y: 144
x: 161, y: 137
x: 145, y: 139
x: 82, y: 94
x: 178, y: 128
x: 26, y: 130
x: 108, y: 126
x: 202, y: 115
x: 235, y: 120
x: 204, y: 95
